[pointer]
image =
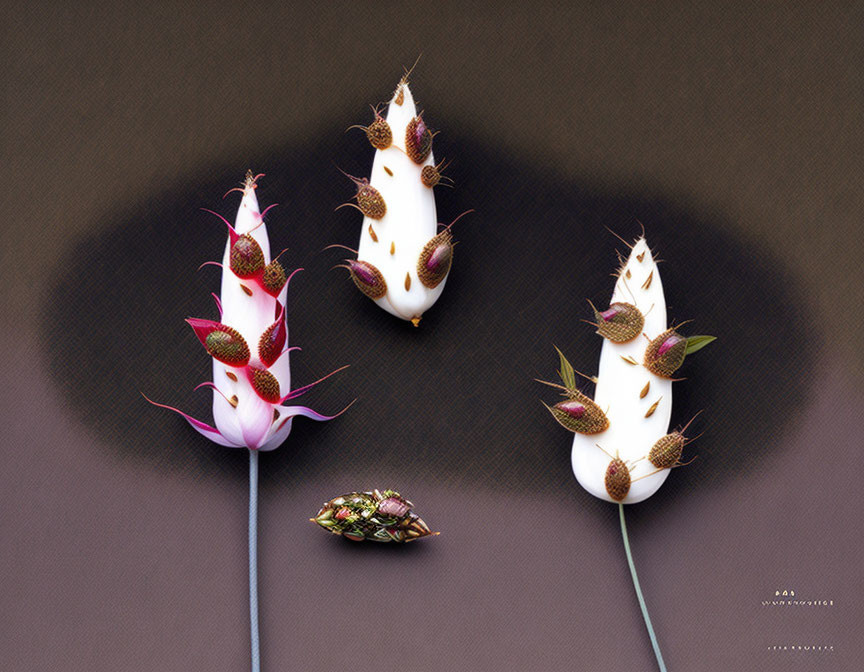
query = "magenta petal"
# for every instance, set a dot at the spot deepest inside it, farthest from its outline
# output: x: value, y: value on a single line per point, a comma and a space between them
x: 293, y: 273
x: 272, y: 341
x: 213, y: 386
x: 203, y: 328
x: 202, y: 427
x: 306, y: 412
x: 218, y: 303
x: 302, y: 390
x: 232, y: 233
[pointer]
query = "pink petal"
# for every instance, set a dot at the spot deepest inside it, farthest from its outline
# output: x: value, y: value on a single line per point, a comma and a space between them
x: 307, y: 412
x: 203, y: 328
x: 218, y: 303
x: 201, y: 427
x: 232, y: 232
x: 302, y: 390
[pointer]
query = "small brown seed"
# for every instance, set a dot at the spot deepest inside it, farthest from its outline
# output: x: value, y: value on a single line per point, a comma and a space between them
x: 653, y: 408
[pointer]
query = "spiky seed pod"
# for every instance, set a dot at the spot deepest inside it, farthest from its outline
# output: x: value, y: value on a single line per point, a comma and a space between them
x: 620, y: 323
x: 665, y: 354
x: 430, y: 176
x: 379, y: 134
x: 247, y: 258
x: 367, y: 278
x: 579, y: 414
x: 377, y: 516
x: 370, y: 201
x: 227, y: 346
x: 265, y: 385
x: 666, y: 452
x: 418, y: 140
x: 272, y: 342
x: 617, y: 479
x: 435, y: 260
x: 274, y: 278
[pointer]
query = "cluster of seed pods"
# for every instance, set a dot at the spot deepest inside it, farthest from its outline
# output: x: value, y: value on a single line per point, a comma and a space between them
x: 622, y: 448
x: 377, y: 516
x: 249, y: 343
x: 402, y: 259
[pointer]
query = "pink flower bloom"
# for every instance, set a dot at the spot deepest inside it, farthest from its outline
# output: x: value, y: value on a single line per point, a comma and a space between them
x: 248, y: 344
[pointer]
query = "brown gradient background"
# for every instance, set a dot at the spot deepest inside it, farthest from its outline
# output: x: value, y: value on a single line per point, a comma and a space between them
x: 732, y: 132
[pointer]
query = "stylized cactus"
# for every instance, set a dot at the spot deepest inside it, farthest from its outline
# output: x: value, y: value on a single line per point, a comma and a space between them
x: 249, y: 346
x: 251, y: 361
x: 403, y: 259
x: 622, y: 449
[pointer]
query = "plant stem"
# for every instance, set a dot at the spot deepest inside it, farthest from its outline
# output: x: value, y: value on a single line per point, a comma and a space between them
x: 644, y: 608
x: 253, y: 559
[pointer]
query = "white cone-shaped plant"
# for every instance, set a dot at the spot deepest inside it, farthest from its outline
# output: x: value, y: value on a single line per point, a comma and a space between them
x: 637, y: 402
x: 402, y: 259
x: 249, y: 343
x: 251, y: 374
x: 622, y: 448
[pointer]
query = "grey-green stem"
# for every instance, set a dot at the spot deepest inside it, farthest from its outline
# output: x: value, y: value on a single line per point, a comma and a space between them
x: 644, y: 608
x: 253, y: 560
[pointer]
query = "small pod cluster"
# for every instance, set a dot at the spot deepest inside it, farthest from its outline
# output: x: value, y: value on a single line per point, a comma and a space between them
x: 382, y: 516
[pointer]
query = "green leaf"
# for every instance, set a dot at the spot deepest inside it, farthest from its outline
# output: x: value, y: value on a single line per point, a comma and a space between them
x: 567, y: 374
x: 695, y: 343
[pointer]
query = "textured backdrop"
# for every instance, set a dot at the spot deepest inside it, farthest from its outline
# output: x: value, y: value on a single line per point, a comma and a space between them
x: 732, y: 133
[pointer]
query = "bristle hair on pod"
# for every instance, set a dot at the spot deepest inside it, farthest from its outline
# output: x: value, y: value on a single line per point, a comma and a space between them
x: 431, y: 175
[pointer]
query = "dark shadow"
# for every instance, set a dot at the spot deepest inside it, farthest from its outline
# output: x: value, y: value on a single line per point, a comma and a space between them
x: 454, y: 401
